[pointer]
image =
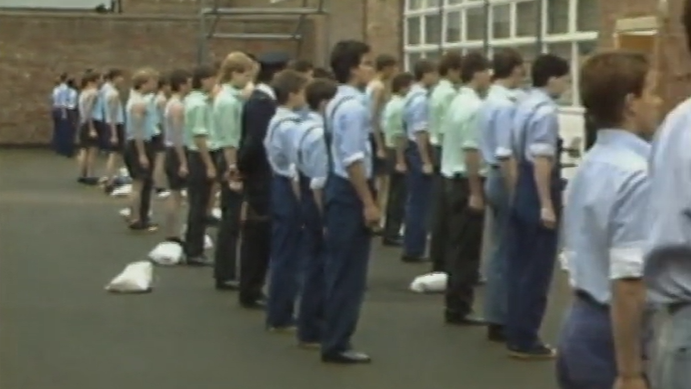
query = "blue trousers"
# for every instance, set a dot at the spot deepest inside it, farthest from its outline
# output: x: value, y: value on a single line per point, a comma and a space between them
x: 496, y: 295
x: 586, y: 358
x: 310, y: 317
x: 285, y: 262
x: 417, y: 207
x: 348, y: 242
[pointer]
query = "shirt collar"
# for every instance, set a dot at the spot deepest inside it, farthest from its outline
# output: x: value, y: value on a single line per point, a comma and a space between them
x: 542, y: 94
x: 285, y: 112
x: 624, y: 138
x: 266, y: 89
x: 466, y: 90
x: 350, y: 90
x: 445, y: 83
x: 228, y: 88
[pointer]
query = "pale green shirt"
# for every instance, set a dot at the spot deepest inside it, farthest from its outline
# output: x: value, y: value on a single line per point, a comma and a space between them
x: 461, y: 132
x: 227, y: 117
x: 439, y: 103
x: 392, y: 120
x: 198, y: 120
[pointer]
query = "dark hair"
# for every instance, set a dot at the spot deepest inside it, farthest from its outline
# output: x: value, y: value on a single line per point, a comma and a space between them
x: 113, y: 74
x: 71, y: 83
x: 384, y: 61
x: 89, y: 77
x: 323, y: 73
x: 319, y: 91
x: 473, y: 62
x: 268, y: 72
x: 163, y: 80
x: 504, y: 62
x: 606, y: 80
x: 178, y: 78
x: 287, y: 82
x: 452, y: 60
x: 345, y: 56
x: 63, y: 77
x: 686, y: 22
x: 300, y: 65
x: 201, y: 73
x: 547, y: 66
x: 401, y: 81
x: 422, y: 67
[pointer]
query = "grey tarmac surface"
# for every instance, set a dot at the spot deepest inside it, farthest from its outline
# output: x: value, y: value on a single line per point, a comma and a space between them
x: 60, y: 243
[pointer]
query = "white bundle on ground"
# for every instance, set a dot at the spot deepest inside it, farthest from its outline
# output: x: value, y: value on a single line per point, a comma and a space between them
x: 216, y: 212
x: 136, y: 278
x: 122, y: 191
x: 429, y: 283
x: 123, y: 173
x: 166, y: 254
x: 125, y: 212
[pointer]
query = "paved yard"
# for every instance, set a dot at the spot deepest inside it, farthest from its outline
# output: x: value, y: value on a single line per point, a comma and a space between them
x: 60, y: 243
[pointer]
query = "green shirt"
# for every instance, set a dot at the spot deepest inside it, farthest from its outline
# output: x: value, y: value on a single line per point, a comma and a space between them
x: 439, y: 103
x: 198, y: 119
x: 461, y: 132
x: 227, y: 116
x: 392, y: 120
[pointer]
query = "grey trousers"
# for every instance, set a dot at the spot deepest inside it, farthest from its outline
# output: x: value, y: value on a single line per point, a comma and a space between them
x: 671, y: 367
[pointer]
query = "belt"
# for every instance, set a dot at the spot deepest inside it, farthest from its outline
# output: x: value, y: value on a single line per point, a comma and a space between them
x: 494, y: 167
x: 675, y: 307
x: 589, y: 299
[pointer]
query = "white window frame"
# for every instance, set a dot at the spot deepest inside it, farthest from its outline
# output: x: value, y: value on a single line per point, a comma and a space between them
x: 572, y: 35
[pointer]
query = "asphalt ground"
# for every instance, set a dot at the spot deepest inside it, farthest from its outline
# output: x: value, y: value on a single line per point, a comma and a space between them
x: 60, y: 243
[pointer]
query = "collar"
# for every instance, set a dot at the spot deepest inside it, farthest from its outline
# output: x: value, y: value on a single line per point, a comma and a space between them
x: 231, y: 89
x: 624, y: 138
x: 542, y: 93
x: 283, y: 111
x: 466, y: 90
x: 417, y: 87
x: 445, y: 83
x: 349, y: 89
x: 195, y: 94
x: 266, y: 89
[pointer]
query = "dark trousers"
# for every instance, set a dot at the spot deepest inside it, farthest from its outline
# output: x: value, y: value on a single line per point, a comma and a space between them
x: 255, y: 248
x: 285, y: 265
x: 586, y: 357
x: 348, y: 242
x: 198, y: 193
x: 226, y: 255
x: 143, y: 174
x: 463, y: 245
x: 419, y: 186
x: 395, y: 207
x: 314, y: 250
x: 438, y: 246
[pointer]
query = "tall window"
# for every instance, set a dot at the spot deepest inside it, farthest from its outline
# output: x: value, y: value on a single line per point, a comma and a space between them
x: 567, y: 28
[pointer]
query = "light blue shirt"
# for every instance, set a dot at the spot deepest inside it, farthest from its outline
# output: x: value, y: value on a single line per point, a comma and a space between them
x: 72, y: 98
x: 98, y: 112
x: 368, y: 100
x: 137, y: 98
x: 415, y: 111
x: 280, y: 142
x: 496, y: 121
x: 349, y: 129
x: 535, y: 129
x: 604, y: 225
x: 668, y: 250
x: 312, y: 157
x: 60, y: 96
x: 108, y: 91
x: 152, y: 116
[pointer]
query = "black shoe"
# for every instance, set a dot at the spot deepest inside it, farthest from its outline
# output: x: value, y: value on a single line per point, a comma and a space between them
x: 349, y: 357
x: 81, y: 180
x: 91, y: 181
x: 227, y: 285
x: 413, y: 259
x: 392, y: 242
x: 258, y: 304
x: 495, y: 333
x: 199, y: 261
x: 212, y: 221
x: 539, y: 351
x: 143, y: 227
x: 467, y: 320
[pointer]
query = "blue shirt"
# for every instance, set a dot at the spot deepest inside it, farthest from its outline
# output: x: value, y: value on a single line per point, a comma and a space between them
x: 60, y: 96
x: 137, y: 98
x: 535, y: 129
x: 98, y: 112
x: 415, y: 111
x: 349, y: 128
x: 109, y: 91
x: 496, y: 121
x: 312, y: 157
x: 604, y: 225
x: 152, y: 115
x: 72, y: 98
x: 280, y: 142
x: 668, y: 251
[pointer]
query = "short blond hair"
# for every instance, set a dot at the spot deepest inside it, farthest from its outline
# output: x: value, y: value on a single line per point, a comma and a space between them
x: 142, y: 76
x: 235, y: 62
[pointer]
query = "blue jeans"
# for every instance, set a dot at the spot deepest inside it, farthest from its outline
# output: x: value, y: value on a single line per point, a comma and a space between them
x: 417, y: 209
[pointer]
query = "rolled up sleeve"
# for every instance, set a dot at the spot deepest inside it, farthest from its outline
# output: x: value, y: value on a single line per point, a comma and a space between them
x: 502, y: 125
x: 195, y: 115
x: 471, y: 132
x: 543, y: 134
x: 227, y: 118
x: 419, y: 113
x: 353, y: 118
x: 318, y: 159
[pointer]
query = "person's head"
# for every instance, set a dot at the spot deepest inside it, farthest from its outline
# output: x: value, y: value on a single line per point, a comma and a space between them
x: 303, y: 67
x: 289, y: 87
x: 551, y: 73
x: 164, y: 84
x: 618, y: 91
x: 204, y: 78
x: 71, y: 83
x: 351, y: 63
x: 475, y: 71
x: 386, y: 65
x: 236, y: 69
x: 425, y: 72
x: 62, y: 78
x: 323, y: 73
x: 115, y: 77
x: 90, y: 80
x: 400, y: 84
x: 507, y: 66
x: 145, y: 80
x: 180, y: 81
x: 255, y: 65
x: 319, y: 92
x: 450, y: 66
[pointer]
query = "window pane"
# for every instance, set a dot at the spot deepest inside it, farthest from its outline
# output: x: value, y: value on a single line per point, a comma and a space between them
x: 412, y: 59
x: 528, y: 52
x: 432, y: 55
x: 526, y: 18
x: 557, y: 16
x: 413, y: 37
x: 432, y: 29
x: 585, y: 49
x: 432, y: 3
x: 453, y: 2
x: 414, y: 4
x: 588, y: 15
x: 475, y: 22
x: 564, y: 50
x: 453, y: 27
x: 501, y: 25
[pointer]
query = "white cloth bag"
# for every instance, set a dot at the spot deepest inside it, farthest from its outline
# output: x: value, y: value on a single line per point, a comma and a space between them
x: 434, y: 282
x: 136, y: 278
